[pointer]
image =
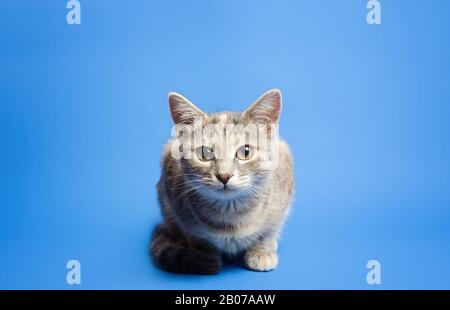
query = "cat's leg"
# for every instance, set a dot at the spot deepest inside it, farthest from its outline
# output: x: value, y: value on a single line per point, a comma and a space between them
x: 263, y: 255
x: 174, y: 252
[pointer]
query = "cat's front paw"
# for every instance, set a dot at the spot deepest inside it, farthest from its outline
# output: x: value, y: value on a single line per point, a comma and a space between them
x: 261, y: 259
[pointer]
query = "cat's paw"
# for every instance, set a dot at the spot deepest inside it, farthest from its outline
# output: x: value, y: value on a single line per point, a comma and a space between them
x: 261, y: 259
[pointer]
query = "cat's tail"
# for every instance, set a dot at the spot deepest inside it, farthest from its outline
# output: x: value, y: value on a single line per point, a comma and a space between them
x: 171, y: 253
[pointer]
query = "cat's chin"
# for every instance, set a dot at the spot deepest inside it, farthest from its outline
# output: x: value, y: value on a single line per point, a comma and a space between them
x: 225, y: 193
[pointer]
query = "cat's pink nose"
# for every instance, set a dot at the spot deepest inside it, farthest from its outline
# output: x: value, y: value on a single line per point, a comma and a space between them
x: 224, y: 177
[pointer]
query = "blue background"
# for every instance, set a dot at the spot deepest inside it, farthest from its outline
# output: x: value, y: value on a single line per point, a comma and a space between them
x: 84, y: 116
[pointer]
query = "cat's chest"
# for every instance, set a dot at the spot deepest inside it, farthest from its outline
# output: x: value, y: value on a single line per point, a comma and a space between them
x: 230, y: 232
x: 232, y: 245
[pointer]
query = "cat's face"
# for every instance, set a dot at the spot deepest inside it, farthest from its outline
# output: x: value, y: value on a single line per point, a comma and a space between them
x: 227, y: 155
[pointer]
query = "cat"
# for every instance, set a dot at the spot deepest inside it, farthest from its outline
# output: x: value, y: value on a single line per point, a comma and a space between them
x: 216, y: 207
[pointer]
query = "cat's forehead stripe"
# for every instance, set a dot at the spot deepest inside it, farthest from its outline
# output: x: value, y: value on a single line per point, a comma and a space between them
x: 221, y: 118
x: 225, y: 118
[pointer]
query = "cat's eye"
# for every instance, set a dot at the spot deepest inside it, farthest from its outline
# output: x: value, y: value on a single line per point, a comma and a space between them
x: 245, y: 152
x: 205, y: 153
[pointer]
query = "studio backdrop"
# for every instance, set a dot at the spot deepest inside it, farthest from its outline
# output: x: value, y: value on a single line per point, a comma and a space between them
x: 84, y: 116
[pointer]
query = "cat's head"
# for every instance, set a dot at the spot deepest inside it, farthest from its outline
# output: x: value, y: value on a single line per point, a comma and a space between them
x: 226, y: 155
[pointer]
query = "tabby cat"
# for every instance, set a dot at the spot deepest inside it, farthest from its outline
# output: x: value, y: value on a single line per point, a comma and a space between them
x: 217, y: 207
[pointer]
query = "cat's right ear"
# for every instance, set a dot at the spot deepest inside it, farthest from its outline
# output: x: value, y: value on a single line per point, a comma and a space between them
x: 182, y: 110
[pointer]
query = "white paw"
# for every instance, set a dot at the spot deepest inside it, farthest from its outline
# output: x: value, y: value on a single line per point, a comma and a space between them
x: 260, y: 260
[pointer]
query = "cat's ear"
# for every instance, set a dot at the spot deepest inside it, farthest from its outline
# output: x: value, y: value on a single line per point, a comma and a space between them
x: 266, y: 110
x: 183, y: 111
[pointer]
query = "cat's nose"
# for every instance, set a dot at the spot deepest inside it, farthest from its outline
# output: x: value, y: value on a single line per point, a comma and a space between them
x: 224, y: 177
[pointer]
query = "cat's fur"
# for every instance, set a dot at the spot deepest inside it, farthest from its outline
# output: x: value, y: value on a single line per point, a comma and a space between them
x: 201, y: 224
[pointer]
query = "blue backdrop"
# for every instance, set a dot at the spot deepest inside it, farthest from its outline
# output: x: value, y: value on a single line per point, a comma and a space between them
x: 84, y: 116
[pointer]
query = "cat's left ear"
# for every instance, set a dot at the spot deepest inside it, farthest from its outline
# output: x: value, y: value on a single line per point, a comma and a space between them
x: 266, y: 110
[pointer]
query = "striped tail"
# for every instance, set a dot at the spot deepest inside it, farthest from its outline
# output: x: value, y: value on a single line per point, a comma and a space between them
x: 172, y: 255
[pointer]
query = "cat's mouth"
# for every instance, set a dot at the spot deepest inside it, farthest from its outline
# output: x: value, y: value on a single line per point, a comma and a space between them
x: 227, y: 189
